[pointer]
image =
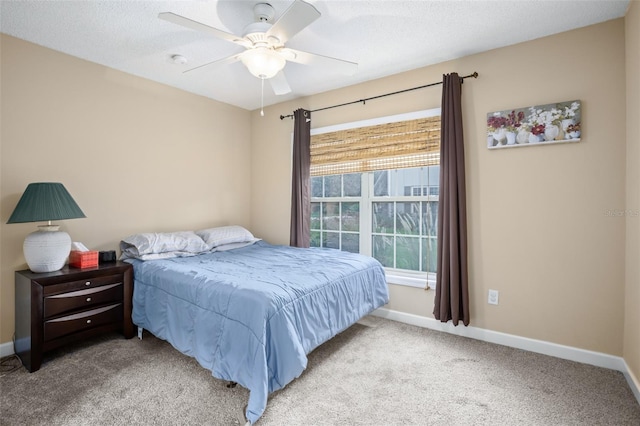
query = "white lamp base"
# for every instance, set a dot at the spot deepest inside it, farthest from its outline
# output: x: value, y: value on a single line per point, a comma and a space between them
x: 47, y: 249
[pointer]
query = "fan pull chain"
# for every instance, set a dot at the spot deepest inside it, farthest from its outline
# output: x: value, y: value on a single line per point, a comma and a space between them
x: 262, y: 99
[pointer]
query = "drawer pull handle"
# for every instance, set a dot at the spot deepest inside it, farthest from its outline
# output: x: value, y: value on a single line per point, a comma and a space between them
x: 87, y: 283
x: 88, y: 299
x: 88, y: 321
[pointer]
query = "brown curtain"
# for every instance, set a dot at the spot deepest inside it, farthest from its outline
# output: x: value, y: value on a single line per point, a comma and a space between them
x: 300, y: 233
x: 452, y: 290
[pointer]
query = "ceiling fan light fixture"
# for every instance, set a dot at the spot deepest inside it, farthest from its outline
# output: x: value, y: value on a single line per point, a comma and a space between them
x: 263, y: 62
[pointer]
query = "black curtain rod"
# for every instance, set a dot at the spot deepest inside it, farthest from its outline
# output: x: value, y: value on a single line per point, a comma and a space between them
x: 474, y: 75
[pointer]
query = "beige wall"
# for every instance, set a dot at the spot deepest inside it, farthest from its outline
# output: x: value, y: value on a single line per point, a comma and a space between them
x: 632, y: 294
x: 136, y: 156
x: 537, y: 225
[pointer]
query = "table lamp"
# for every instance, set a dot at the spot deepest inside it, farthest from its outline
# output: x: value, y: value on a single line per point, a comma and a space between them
x: 47, y: 249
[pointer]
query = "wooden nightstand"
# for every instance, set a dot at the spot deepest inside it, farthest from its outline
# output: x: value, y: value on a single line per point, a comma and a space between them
x: 57, y: 308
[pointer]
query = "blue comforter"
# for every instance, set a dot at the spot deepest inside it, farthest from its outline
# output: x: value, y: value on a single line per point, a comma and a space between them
x: 251, y: 315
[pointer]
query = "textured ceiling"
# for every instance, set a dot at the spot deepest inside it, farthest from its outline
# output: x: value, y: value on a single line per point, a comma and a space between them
x: 383, y: 37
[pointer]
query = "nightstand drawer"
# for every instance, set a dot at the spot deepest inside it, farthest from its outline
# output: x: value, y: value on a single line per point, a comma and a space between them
x: 58, y: 327
x: 63, y: 302
x: 82, y: 284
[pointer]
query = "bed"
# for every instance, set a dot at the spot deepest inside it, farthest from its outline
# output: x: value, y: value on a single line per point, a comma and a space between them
x: 246, y: 310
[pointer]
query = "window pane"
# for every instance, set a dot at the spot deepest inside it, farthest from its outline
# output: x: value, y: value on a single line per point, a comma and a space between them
x: 430, y: 218
x: 352, y: 184
x: 316, y: 239
x: 350, y: 217
x: 351, y: 242
x: 433, y: 254
x: 408, y: 218
x: 316, y: 186
x: 382, y: 218
x: 406, y: 182
x: 333, y: 186
x: 382, y: 248
x: 331, y: 240
x: 408, y: 253
x: 331, y: 216
x: 315, y: 215
x: 429, y: 254
x: 434, y: 180
x: 381, y: 183
x: 434, y: 175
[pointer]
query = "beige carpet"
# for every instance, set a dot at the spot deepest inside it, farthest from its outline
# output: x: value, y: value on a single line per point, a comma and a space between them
x: 378, y: 372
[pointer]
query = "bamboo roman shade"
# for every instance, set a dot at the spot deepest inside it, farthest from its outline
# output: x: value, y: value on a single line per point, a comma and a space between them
x: 410, y: 143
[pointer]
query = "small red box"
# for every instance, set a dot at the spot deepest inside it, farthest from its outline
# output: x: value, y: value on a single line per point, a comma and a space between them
x: 83, y: 259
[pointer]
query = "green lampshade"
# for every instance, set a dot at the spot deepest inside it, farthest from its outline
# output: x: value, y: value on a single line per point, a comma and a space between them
x: 45, y: 201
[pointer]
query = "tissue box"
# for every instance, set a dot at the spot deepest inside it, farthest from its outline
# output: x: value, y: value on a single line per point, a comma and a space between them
x: 83, y: 259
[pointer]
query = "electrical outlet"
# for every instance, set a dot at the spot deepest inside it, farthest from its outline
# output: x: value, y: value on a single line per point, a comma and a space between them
x: 493, y: 297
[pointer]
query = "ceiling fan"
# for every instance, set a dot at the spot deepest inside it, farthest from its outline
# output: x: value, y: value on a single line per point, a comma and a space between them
x: 266, y: 55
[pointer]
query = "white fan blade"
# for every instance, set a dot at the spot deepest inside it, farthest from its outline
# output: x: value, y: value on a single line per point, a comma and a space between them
x: 298, y: 16
x: 219, y: 62
x: 279, y: 84
x: 333, y: 64
x: 198, y: 26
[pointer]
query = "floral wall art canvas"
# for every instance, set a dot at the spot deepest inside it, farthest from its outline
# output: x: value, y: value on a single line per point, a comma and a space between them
x: 535, y: 125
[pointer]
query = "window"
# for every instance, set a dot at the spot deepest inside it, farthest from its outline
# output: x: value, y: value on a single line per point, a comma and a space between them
x: 384, y: 205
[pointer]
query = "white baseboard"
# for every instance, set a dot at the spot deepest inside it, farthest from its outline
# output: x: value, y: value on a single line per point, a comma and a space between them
x: 633, y: 381
x: 539, y: 346
x: 6, y: 349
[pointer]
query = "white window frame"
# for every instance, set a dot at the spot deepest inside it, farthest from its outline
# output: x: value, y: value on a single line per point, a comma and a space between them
x: 394, y: 276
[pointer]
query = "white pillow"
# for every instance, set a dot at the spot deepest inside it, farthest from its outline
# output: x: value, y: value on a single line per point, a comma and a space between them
x: 215, y: 237
x: 170, y: 244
